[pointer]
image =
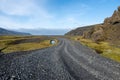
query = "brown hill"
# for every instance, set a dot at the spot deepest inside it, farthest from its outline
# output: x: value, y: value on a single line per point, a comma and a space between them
x: 108, y: 31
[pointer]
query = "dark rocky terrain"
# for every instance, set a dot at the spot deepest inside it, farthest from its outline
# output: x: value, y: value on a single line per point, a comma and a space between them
x: 107, y: 31
x: 9, y: 32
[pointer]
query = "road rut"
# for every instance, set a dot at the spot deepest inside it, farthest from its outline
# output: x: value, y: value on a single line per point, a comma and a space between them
x: 68, y: 60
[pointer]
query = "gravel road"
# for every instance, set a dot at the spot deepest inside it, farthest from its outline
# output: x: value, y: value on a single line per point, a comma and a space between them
x: 68, y: 60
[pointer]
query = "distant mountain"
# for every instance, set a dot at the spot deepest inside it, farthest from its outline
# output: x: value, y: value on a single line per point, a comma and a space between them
x: 9, y: 32
x: 40, y: 31
x: 107, y: 31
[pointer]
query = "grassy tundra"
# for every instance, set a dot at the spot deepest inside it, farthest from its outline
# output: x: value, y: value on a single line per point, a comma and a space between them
x: 103, y: 48
x: 23, y: 43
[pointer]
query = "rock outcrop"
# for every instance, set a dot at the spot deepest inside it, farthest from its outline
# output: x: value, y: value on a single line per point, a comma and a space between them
x: 108, y: 31
x: 114, y: 19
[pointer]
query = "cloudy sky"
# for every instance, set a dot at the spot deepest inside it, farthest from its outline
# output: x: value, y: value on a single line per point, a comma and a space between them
x: 55, y: 15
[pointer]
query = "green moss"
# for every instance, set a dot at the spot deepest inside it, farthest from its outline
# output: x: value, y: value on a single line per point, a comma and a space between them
x: 6, y: 40
x: 27, y: 46
x: 103, y: 48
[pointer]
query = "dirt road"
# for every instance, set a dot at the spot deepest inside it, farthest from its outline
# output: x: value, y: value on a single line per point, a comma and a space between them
x: 68, y: 60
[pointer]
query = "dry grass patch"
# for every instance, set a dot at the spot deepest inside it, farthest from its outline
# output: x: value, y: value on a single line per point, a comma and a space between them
x: 32, y: 43
x: 27, y: 46
x: 103, y: 48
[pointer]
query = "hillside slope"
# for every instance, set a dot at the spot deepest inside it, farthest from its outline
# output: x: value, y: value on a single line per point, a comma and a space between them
x: 9, y: 32
x: 108, y: 31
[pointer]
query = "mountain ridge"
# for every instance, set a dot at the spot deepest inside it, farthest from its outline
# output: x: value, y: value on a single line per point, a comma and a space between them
x: 10, y: 32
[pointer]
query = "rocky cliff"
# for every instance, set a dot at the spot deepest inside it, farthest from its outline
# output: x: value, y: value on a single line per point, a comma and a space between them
x: 107, y: 31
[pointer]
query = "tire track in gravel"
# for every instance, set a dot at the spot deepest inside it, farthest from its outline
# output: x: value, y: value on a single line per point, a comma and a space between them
x: 68, y: 60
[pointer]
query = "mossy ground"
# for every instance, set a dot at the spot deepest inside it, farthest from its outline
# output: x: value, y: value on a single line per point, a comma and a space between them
x: 103, y: 48
x: 5, y: 41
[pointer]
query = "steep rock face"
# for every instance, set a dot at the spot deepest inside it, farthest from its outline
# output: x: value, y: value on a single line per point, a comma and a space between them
x: 108, y: 31
x: 114, y: 19
x: 98, y: 34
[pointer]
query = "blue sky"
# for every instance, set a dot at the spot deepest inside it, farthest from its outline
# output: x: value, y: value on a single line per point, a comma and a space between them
x: 54, y: 14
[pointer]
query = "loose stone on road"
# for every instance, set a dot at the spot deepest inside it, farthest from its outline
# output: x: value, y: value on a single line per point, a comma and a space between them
x: 68, y: 60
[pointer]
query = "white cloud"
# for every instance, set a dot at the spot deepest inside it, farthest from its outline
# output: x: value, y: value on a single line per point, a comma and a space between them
x: 38, y: 15
x: 16, y: 7
x: 23, y: 8
x: 11, y: 24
